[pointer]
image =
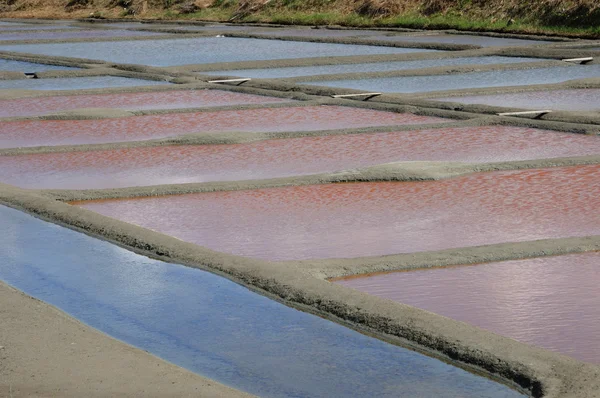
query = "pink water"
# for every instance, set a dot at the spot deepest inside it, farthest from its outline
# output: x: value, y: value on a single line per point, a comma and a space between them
x: 567, y: 100
x: 551, y: 302
x: 370, y: 219
x: 130, y: 101
x: 63, y: 132
x: 285, y: 157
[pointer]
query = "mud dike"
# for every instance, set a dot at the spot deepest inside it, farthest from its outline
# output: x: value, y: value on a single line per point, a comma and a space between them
x: 312, y: 166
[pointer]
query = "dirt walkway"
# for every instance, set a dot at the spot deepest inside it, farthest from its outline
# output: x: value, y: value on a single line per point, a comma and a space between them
x: 46, y: 353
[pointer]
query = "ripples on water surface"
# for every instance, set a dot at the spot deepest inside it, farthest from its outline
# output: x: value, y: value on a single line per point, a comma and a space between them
x: 497, y: 78
x: 76, y: 83
x: 213, y: 326
x: 61, y: 132
x: 130, y: 101
x: 568, y: 100
x: 551, y: 302
x: 271, y: 73
x: 200, y: 50
x: 285, y: 157
x: 74, y: 34
x: 20, y: 66
x: 370, y: 219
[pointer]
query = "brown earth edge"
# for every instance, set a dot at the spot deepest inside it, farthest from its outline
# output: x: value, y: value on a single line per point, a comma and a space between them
x: 45, y: 352
x: 539, y: 372
x: 549, y: 17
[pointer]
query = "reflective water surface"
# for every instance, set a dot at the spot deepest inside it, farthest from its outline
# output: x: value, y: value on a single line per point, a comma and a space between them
x: 285, y: 157
x: 372, y: 67
x: 551, y: 302
x: 213, y: 326
x: 74, y: 34
x: 567, y: 100
x: 76, y: 83
x: 200, y: 50
x: 131, y: 101
x: 497, y: 78
x: 59, y: 132
x: 370, y: 219
x: 20, y: 66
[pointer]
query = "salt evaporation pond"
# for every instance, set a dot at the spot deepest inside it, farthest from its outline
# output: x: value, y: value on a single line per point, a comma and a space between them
x: 120, y: 168
x: 200, y: 50
x: 215, y: 327
x: 61, y: 132
x: 74, y: 34
x: 76, y: 83
x: 497, y: 78
x: 271, y: 73
x: 483, y: 41
x: 374, y: 219
x: 550, y: 302
x: 131, y: 101
x: 566, y: 100
x: 21, y: 66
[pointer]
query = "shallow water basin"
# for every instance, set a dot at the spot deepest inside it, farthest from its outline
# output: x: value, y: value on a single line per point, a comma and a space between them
x: 74, y: 34
x: 565, y: 100
x: 20, y: 66
x: 76, y: 83
x: 374, y: 219
x: 131, y: 101
x: 370, y: 67
x: 213, y: 326
x: 483, y: 41
x: 200, y: 50
x: 497, y: 78
x: 304, y: 118
x: 284, y: 157
x: 550, y: 302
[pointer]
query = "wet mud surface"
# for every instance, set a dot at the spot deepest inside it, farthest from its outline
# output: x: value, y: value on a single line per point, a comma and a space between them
x: 550, y: 302
x: 200, y: 50
x: 130, y: 101
x: 216, y: 327
x: 567, y: 100
x: 61, y: 132
x: 272, y: 73
x: 370, y: 219
x: 120, y: 168
x: 76, y: 83
x: 498, y: 78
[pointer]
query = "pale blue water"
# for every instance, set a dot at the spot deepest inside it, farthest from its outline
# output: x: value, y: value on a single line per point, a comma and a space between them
x: 76, y: 83
x: 75, y: 34
x: 20, y: 66
x: 200, y: 50
x: 587, y: 99
x: 416, y: 84
x: 215, y: 327
x: 371, y: 67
